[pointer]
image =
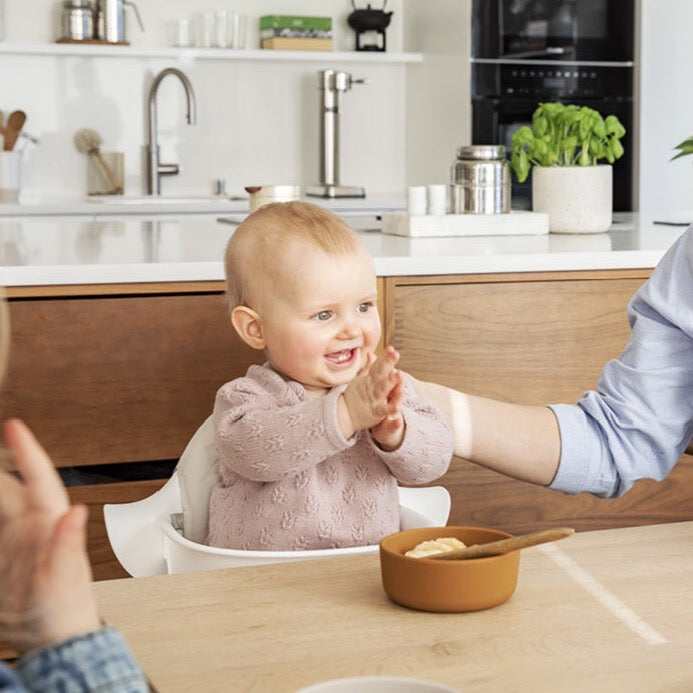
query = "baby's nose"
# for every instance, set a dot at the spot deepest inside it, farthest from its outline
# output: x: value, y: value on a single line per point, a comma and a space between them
x: 349, y: 328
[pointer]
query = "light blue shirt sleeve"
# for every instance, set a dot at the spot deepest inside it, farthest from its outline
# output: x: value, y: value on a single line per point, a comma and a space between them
x: 639, y: 420
x: 100, y: 661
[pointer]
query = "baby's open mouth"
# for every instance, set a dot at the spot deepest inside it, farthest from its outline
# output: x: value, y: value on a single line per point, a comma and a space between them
x: 342, y: 358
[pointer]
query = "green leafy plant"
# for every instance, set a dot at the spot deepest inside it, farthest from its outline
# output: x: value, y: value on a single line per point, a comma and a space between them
x: 685, y: 148
x: 566, y: 135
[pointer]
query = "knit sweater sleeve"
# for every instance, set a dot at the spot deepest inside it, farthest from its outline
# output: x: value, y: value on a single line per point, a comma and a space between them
x: 427, y: 448
x: 268, y: 429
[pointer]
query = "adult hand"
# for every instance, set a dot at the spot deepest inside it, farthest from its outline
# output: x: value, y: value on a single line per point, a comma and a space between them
x: 44, y: 570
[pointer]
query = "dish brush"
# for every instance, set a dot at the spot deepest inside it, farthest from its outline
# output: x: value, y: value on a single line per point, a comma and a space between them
x: 88, y: 142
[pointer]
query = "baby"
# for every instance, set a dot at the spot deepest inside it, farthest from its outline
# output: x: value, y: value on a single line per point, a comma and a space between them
x: 313, y: 443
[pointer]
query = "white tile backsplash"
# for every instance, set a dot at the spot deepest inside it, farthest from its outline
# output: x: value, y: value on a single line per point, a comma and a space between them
x: 257, y: 120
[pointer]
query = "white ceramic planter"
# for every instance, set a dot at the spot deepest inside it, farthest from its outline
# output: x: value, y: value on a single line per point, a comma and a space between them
x: 578, y: 199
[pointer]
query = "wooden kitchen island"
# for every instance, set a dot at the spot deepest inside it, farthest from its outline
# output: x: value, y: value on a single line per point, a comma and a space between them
x: 121, y: 339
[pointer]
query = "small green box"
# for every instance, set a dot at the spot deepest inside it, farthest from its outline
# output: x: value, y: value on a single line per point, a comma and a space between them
x: 295, y: 23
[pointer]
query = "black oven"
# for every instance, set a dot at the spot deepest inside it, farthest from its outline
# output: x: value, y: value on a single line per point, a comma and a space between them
x: 575, y: 51
x: 553, y: 29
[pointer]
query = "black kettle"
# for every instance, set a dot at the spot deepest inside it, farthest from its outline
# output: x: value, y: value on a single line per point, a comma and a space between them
x: 369, y: 20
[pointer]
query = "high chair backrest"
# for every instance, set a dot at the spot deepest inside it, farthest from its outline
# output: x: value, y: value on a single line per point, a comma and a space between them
x: 198, y: 472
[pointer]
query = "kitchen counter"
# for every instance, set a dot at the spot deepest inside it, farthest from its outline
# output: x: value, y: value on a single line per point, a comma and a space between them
x: 62, y: 251
x: 100, y: 207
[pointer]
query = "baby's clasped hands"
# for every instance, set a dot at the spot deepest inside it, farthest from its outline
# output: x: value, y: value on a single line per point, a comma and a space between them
x: 372, y: 400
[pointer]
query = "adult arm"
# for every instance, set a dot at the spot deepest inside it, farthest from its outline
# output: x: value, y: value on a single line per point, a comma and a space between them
x: 639, y: 420
x: 47, y: 610
x: 517, y: 440
x: 635, y: 425
x: 97, y: 661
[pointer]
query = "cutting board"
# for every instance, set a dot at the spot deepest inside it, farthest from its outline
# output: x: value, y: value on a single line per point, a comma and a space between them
x: 516, y: 223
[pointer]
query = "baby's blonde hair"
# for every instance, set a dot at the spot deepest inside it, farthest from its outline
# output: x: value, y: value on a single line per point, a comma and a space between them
x: 253, y: 253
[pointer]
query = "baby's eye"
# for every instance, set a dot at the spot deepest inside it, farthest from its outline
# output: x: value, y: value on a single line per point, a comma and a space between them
x: 323, y: 315
x: 364, y: 307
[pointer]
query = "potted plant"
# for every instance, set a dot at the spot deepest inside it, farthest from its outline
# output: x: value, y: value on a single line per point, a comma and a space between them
x: 563, y: 149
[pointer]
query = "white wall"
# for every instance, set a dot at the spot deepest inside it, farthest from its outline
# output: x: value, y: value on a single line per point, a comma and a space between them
x: 438, y: 90
x: 257, y: 121
x: 666, y: 107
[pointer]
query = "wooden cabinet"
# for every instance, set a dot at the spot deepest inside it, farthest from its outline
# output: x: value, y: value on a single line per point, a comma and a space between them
x: 112, y: 378
x: 532, y: 338
x: 111, y: 374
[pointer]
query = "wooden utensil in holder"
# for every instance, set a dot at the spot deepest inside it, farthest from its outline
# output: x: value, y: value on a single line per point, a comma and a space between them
x: 88, y: 142
x: 15, y: 123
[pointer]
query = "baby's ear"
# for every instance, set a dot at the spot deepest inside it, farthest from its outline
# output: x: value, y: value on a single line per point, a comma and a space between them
x: 248, y: 324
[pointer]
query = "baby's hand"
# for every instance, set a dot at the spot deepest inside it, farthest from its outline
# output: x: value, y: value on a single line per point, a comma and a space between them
x: 389, y: 433
x: 374, y: 396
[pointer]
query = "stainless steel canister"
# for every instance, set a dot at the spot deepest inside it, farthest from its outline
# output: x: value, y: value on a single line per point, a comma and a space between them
x: 111, y: 25
x: 78, y: 20
x: 480, y: 180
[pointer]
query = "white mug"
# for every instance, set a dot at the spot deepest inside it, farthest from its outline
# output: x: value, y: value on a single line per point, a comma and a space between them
x: 437, y: 199
x: 416, y: 200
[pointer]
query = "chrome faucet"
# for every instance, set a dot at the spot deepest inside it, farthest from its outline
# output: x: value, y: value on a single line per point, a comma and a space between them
x: 155, y: 168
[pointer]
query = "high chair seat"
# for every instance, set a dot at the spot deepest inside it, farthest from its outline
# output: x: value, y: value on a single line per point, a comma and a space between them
x: 163, y: 533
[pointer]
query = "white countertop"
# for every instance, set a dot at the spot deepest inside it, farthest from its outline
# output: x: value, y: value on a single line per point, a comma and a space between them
x: 60, y: 251
x: 100, y: 207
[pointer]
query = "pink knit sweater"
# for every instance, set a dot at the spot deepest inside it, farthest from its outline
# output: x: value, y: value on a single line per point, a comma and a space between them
x: 291, y: 481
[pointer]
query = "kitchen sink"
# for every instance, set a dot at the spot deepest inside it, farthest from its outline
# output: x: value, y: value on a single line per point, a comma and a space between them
x: 164, y: 199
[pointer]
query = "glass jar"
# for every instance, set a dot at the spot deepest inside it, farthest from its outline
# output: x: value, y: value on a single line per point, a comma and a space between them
x: 480, y: 180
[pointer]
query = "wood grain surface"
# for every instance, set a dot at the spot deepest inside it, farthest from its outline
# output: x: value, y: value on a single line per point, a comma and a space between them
x: 598, y: 611
x: 525, y: 341
x: 119, y: 378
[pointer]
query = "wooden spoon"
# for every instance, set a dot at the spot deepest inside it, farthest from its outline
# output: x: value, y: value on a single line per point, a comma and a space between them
x: 15, y: 123
x: 494, y: 548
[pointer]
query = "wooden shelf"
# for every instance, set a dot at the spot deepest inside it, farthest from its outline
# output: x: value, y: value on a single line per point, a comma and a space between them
x: 189, y: 54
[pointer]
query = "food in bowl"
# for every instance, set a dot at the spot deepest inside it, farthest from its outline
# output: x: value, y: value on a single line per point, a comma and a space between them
x: 434, y: 547
x: 428, y: 584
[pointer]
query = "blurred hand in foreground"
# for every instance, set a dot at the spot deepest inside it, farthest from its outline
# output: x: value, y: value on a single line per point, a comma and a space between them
x: 44, y: 569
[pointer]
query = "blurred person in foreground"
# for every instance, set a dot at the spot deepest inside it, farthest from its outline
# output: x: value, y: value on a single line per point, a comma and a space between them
x: 47, y: 610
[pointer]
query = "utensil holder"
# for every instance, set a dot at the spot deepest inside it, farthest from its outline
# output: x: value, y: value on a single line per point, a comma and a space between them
x: 98, y: 182
x: 10, y: 176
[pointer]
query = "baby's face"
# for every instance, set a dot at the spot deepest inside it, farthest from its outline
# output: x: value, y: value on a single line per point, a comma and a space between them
x: 322, y: 320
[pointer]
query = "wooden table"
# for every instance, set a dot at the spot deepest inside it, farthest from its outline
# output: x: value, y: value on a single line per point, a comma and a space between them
x: 610, y: 610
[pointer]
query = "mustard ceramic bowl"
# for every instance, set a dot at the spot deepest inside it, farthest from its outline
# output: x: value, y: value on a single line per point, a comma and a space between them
x: 449, y: 585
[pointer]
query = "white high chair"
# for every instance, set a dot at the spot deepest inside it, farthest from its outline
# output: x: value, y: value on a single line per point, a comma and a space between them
x: 164, y: 532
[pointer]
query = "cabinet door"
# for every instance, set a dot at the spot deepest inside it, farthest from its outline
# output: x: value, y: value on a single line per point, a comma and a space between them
x: 119, y: 378
x: 532, y: 339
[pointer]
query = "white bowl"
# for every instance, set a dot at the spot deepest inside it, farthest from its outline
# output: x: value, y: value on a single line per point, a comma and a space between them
x: 377, y: 684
